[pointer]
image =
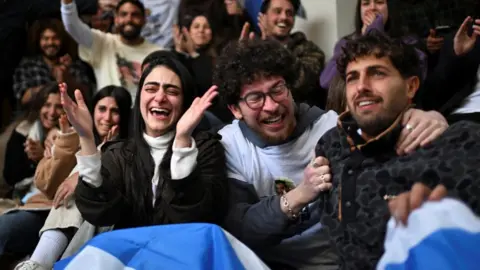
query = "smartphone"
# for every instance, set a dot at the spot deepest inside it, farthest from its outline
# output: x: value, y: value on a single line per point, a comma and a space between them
x: 443, y: 30
x: 470, y: 27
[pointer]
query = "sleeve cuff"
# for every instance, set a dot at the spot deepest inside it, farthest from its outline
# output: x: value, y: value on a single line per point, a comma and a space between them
x: 89, y: 168
x: 70, y: 132
x: 68, y: 8
x: 183, y: 161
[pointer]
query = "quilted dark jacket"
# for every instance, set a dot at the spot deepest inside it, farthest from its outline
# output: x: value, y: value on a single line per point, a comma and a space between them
x: 200, y: 197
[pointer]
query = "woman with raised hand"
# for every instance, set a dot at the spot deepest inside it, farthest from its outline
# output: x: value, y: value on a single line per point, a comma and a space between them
x: 167, y: 173
x: 374, y: 15
x: 57, y: 174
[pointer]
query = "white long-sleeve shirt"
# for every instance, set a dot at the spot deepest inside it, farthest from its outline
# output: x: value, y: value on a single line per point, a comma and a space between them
x: 182, y: 163
x: 113, y: 61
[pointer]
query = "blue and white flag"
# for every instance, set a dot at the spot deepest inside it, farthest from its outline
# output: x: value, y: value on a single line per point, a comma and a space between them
x: 177, y: 247
x: 441, y: 235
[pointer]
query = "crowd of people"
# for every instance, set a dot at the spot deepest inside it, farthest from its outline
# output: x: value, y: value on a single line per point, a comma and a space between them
x: 131, y: 113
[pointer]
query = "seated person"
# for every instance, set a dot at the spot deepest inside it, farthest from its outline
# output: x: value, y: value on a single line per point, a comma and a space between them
x: 25, y: 148
x: 274, y: 139
x: 167, y: 173
x: 194, y: 40
x: 276, y: 21
x: 57, y: 175
x: 382, y: 76
x: 50, y: 64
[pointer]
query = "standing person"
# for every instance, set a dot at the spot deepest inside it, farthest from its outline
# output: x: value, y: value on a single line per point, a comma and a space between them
x: 161, y: 15
x: 115, y: 58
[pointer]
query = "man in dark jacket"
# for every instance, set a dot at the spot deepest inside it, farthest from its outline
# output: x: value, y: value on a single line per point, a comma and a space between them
x: 271, y: 143
x: 382, y: 76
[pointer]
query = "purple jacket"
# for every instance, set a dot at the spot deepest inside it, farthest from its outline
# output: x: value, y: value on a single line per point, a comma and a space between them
x: 331, y: 68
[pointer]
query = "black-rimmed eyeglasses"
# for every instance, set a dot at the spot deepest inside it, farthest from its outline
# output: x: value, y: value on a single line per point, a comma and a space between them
x: 256, y: 100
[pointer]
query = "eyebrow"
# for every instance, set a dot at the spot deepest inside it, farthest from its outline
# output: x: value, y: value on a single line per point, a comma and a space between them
x: 369, y: 68
x: 270, y: 88
x: 164, y: 86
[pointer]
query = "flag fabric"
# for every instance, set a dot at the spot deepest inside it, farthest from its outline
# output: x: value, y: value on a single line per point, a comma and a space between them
x: 194, y: 246
x: 441, y: 235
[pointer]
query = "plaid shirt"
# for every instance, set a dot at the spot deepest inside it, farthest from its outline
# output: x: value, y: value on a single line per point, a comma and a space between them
x: 33, y: 72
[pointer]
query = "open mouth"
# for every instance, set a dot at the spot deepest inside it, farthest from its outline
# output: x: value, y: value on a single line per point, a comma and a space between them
x: 366, y: 104
x: 282, y: 26
x: 160, y: 112
x: 273, y: 121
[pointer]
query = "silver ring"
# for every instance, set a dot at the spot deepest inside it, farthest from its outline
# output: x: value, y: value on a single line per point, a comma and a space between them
x: 409, y: 127
x: 322, y: 177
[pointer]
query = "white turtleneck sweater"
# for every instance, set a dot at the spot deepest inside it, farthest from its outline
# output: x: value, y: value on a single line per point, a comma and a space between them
x: 182, y: 163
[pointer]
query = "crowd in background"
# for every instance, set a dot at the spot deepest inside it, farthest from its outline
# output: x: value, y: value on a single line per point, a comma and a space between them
x: 78, y: 76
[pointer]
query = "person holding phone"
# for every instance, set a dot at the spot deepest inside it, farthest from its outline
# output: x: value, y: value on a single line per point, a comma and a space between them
x: 436, y: 38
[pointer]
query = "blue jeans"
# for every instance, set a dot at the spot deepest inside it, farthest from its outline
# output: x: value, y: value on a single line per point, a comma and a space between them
x: 19, y: 231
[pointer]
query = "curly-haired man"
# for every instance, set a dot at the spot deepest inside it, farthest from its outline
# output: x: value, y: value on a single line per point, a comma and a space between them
x: 274, y: 138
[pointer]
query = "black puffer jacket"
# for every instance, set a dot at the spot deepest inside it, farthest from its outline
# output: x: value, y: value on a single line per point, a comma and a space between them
x: 200, y: 197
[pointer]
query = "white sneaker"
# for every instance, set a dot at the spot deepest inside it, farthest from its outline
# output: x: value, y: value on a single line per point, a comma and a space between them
x: 31, y: 265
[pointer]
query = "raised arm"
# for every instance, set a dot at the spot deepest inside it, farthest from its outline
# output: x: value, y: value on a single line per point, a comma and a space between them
x: 331, y: 68
x: 38, y: 9
x: 52, y: 171
x: 79, y: 31
x: 196, y: 190
x: 97, y: 195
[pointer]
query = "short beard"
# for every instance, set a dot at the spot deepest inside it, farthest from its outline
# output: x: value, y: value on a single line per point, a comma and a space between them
x: 373, y: 127
x: 131, y: 35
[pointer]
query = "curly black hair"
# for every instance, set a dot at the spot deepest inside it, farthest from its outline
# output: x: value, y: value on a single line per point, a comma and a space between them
x: 403, y: 56
x: 244, y: 62
x: 266, y: 5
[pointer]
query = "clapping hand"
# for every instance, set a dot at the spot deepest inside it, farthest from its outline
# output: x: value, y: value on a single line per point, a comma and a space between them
x: 77, y: 113
x: 191, y: 118
x: 246, y: 34
x: 112, y: 133
x: 463, y: 43
x: 34, y: 150
x: 80, y: 118
x: 262, y: 24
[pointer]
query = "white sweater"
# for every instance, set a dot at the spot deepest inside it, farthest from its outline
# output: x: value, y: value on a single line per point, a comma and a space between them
x: 182, y: 163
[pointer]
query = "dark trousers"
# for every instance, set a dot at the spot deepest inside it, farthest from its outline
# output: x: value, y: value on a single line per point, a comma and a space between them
x: 19, y: 231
